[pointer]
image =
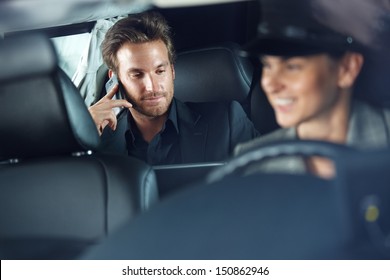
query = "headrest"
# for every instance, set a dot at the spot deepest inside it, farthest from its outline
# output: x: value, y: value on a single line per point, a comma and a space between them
x: 41, y: 111
x: 213, y: 74
x: 25, y: 56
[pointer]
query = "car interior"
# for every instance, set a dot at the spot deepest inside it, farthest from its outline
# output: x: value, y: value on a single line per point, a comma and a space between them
x: 57, y: 197
x: 61, y: 200
x: 327, y: 219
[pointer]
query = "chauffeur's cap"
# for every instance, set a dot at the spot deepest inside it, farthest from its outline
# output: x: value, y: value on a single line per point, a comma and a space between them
x: 289, y: 27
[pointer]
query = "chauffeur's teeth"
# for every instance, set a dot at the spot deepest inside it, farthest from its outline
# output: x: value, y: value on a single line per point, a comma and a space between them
x: 283, y: 101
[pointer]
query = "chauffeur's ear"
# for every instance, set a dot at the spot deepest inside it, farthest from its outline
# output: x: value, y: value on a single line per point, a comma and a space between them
x: 350, y: 66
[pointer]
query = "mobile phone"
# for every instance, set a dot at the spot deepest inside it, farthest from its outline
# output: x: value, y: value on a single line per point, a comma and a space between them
x: 121, y: 92
x: 118, y: 95
x: 111, y: 83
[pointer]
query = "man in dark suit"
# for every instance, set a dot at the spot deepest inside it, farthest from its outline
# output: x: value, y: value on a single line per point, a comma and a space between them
x: 154, y: 126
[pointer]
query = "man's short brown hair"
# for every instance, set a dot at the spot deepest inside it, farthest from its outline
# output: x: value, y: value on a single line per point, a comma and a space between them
x: 137, y: 28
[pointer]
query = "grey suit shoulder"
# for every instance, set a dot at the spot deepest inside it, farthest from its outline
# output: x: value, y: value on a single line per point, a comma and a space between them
x: 368, y: 127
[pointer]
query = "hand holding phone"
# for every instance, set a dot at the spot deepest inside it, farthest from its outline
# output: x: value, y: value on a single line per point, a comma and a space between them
x: 102, y: 110
x: 111, y: 83
x: 121, y: 93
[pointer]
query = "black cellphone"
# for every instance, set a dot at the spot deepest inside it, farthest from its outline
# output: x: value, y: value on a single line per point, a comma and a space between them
x: 121, y: 92
x: 111, y: 83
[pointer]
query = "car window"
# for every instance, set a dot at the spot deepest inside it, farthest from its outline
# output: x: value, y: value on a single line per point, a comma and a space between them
x: 70, y: 50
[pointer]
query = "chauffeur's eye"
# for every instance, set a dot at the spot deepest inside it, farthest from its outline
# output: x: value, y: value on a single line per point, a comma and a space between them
x: 294, y: 64
x: 265, y: 64
x: 293, y: 67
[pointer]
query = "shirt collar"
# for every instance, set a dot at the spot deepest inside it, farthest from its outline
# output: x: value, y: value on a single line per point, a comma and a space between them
x: 172, y: 117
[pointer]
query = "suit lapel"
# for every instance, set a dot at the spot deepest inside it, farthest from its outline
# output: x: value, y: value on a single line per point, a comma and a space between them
x: 193, y: 134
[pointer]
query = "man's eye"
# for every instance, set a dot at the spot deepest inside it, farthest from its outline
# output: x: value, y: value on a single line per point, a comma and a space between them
x: 160, y: 71
x: 293, y: 66
x: 136, y: 75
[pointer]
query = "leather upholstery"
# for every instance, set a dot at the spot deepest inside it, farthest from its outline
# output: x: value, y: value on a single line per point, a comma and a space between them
x: 54, y: 191
x: 35, y: 120
x: 220, y: 73
x: 213, y: 74
x: 259, y: 217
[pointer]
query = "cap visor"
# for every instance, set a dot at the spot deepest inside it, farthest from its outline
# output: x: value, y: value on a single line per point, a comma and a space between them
x: 284, y: 47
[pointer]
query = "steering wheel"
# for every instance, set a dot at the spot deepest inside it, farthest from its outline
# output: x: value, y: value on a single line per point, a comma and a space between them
x: 304, y: 148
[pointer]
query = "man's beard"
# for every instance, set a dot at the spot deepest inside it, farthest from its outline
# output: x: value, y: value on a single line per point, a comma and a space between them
x: 151, y: 111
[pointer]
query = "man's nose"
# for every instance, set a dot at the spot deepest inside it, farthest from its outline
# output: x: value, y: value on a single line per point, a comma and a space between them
x: 151, y: 84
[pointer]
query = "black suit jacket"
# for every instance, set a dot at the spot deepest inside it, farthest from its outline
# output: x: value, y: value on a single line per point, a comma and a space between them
x: 208, y: 131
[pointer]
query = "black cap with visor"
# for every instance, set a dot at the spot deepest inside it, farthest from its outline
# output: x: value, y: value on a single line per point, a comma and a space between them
x: 289, y: 28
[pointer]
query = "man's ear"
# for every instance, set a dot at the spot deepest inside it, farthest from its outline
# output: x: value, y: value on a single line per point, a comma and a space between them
x: 173, y: 70
x: 110, y: 73
x: 350, y: 66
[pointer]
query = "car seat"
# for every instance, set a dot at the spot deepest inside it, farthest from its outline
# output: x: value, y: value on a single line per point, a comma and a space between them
x: 56, y: 195
x: 259, y: 217
x: 220, y: 73
x: 362, y: 186
x: 215, y: 73
x: 269, y: 216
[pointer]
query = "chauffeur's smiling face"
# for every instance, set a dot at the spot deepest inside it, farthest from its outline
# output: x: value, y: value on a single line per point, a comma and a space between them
x: 301, y: 89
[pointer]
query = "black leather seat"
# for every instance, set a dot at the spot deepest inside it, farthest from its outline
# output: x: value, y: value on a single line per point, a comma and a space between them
x: 220, y: 73
x: 362, y: 186
x: 214, y: 73
x: 268, y: 216
x: 56, y: 195
x: 261, y: 216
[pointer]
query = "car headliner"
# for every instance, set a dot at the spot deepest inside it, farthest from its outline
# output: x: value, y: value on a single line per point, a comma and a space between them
x: 38, y: 14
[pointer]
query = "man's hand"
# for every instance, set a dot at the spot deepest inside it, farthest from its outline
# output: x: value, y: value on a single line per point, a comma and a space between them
x: 102, y: 112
